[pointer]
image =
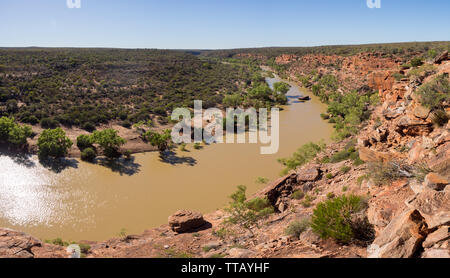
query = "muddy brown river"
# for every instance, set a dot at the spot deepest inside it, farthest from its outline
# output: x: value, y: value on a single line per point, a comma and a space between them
x: 87, y: 201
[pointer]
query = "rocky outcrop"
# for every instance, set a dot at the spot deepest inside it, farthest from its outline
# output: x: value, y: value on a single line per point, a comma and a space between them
x: 401, y: 238
x: 278, y: 191
x: 441, y: 58
x: 436, y: 182
x: 184, y: 221
x: 434, y: 207
x: 15, y: 244
x: 440, y: 162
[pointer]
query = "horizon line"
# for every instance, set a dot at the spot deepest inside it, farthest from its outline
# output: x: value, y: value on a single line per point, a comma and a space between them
x: 215, y: 49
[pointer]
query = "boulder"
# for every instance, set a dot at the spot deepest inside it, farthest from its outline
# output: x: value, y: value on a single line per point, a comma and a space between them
x: 421, y: 112
x: 436, y: 181
x: 184, y: 221
x: 15, y: 244
x: 388, y: 204
x: 274, y: 190
x: 438, y: 236
x: 401, y: 238
x: 434, y: 207
x: 436, y: 253
x: 413, y: 127
x: 308, y: 174
x: 369, y: 155
x: 309, y: 237
x: 441, y: 58
x: 440, y: 163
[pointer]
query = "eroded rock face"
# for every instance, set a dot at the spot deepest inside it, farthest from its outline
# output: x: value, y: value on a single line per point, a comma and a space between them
x: 401, y: 238
x: 439, y: 236
x: 440, y: 163
x: 184, y: 221
x: 433, y: 206
x: 388, y: 204
x: 436, y: 182
x: 15, y: 244
x: 441, y: 58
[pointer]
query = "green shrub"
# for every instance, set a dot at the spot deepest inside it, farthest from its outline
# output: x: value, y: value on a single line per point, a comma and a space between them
x: 246, y: 214
x: 349, y: 153
x: 89, y: 126
x: 183, y: 147
x: 331, y: 195
x: 345, y: 169
x: 53, y: 143
x: 159, y: 140
x: 329, y: 176
x: 262, y: 180
x: 307, y: 202
x: 416, y: 62
x: 296, y: 228
x: 197, y: 146
x: 298, y: 195
x: 434, y: 93
x: 333, y: 218
x: 84, y: 141
x: 88, y: 154
x: 109, y: 141
x: 84, y: 248
x: 325, y: 160
x: 18, y: 135
x: 349, y: 111
x: 325, y: 116
x: 13, y: 133
x: 303, y: 155
x: 398, y: 76
x: 49, y: 123
x: 384, y: 173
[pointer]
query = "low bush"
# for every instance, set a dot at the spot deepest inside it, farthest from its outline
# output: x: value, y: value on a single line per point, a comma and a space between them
x: 345, y: 169
x: 296, y: 228
x: 435, y: 93
x: 247, y: 214
x: 88, y: 154
x: 298, y: 195
x: 262, y: 180
x: 302, y: 156
x: 13, y: 133
x: 336, y: 219
x: 416, y: 62
x: 49, y: 123
x: 384, y: 173
x: 84, y: 141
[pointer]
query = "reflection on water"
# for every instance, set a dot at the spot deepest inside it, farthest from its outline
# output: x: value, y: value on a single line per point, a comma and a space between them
x: 96, y: 201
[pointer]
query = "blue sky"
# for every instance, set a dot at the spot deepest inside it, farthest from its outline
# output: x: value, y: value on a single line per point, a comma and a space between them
x: 212, y: 24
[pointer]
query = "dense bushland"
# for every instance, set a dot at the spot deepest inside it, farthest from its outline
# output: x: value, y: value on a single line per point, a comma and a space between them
x: 89, y: 87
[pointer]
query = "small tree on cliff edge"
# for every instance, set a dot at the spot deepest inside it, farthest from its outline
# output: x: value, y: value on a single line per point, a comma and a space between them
x: 246, y: 214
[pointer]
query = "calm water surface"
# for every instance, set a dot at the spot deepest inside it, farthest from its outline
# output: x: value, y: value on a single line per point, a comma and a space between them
x: 86, y: 201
